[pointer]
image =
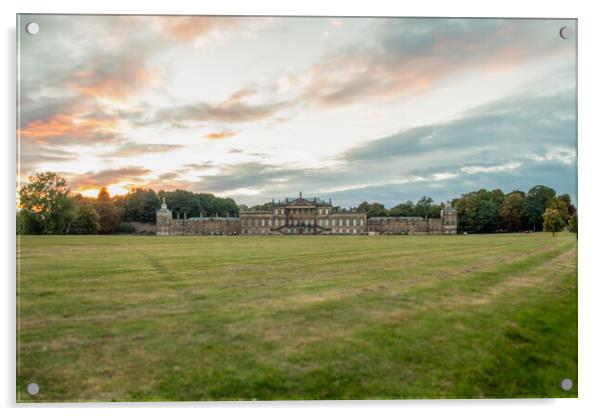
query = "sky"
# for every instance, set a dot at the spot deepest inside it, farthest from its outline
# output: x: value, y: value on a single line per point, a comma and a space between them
x: 262, y: 108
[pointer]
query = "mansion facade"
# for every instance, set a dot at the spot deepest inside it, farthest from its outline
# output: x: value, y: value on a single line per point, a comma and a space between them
x: 302, y: 216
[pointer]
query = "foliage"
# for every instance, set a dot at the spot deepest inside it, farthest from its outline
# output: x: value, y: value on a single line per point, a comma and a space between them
x: 126, y: 228
x: 511, y: 212
x: 573, y: 223
x: 27, y: 223
x: 535, y: 204
x: 263, y: 207
x: 487, y: 218
x: 552, y: 221
x: 46, y: 205
x: 109, y: 214
x: 567, y: 200
x: 196, y: 204
x: 373, y: 209
x: 87, y: 220
x: 139, y: 205
x: 426, y: 208
x: 405, y: 209
x: 479, y: 211
x: 559, y: 205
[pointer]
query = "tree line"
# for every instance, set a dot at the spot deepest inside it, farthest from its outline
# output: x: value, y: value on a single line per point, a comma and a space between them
x: 486, y: 211
x: 539, y: 209
x: 47, y: 206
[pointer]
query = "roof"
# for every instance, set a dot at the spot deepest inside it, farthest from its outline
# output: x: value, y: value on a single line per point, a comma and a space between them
x: 394, y: 218
x: 302, y: 202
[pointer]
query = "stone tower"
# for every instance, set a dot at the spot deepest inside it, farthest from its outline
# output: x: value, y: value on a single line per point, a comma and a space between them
x: 449, y: 216
x: 163, y: 219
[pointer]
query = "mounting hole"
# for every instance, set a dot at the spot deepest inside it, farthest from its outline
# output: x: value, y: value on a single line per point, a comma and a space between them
x: 565, y: 32
x: 33, y: 389
x: 566, y: 384
x: 32, y: 28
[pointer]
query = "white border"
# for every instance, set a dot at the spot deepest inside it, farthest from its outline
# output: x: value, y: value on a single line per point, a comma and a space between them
x: 590, y: 345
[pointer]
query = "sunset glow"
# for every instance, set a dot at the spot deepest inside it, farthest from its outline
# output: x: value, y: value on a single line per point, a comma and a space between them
x: 262, y: 107
x: 113, y: 190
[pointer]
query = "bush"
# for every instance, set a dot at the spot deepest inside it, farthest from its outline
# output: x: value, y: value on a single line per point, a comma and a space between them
x: 573, y: 223
x: 125, y: 228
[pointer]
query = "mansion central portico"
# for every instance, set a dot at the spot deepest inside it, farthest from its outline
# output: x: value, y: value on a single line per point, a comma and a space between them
x: 302, y: 216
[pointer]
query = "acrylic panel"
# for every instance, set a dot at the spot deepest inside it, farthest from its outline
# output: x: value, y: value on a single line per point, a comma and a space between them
x: 295, y: 208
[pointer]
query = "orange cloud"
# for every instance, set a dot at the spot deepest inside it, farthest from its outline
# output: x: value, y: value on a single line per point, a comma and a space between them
x: 221, y: 134
x: 188, y: 28
x: 122, y: 176
x: 116, y: 83
x: 59, y: 128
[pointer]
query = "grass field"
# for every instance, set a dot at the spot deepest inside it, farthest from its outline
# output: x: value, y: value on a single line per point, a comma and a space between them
x: 213, y: 318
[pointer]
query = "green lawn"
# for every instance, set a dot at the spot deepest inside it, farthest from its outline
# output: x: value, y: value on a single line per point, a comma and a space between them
x: 133, y: 318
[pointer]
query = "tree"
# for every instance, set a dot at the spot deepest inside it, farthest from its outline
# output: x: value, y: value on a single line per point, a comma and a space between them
x: 46, y: 205
x: 109, y: 215
x: 27, y: 223
x: 377, y: 210
x: 573, y: 223
x: 424, y: 207
x: 552, y: 221
x: 363, y: 207
x: 182, y: 202
x: 487, y: 216
x: 567, y: 200
x: 373, y: 209
x: 535, y: 205
x: 405, y: 209
x: 226, y: 207
x: 139, y: 205
x: 479, y: 211
x: 561, y: 206
x: 87, y: 220
x: 511, y: 217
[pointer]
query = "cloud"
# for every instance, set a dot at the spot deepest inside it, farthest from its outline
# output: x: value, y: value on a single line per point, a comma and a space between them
x: 514, y: 143
x: 80, y: 126
x: 413, y: 55
x: 64, y: 82
x: 515, y: 125
x: 115, y: 77
x: 190, y: 28
x: 231, y: 110
x: 110, y: 176
x: 131, y: 149
x: 200, y: 166
x: 32, y: 156
x: 168, y: 176
x: 223, y: 134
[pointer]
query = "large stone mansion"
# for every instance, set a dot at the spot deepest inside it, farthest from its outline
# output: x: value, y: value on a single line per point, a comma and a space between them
x: 302, y: 216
